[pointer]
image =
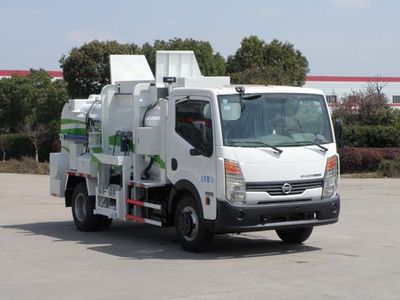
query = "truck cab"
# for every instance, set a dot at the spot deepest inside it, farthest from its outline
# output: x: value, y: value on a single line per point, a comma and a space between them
x: 261, y: 158
x: 202, y: 155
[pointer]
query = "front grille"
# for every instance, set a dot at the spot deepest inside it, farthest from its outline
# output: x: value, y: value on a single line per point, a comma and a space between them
x: 275, y: 188
x: 284, y: 201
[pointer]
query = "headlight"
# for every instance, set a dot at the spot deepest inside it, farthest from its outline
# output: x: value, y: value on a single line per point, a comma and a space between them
x: 234, y: 182
x: 331, y: 177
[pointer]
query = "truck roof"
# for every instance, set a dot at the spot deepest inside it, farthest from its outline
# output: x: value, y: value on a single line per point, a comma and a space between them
x: 231, y: 89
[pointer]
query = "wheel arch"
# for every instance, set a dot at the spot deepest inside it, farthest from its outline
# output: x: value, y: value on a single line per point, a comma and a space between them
x: 181, y: 188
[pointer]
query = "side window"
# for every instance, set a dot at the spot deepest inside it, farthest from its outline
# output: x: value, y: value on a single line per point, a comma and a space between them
x: 193, y: 122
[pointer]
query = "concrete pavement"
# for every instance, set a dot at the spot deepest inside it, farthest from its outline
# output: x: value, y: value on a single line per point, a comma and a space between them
x: 43, y: 256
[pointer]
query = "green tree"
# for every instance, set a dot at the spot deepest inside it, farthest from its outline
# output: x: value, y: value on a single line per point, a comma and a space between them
x: 258, y: 62
x: 368, y: 120
x: 35, y: 96
x: 368, y: 107
x: 14, y: 95
x: 87, y: 68
x: 211, y: 63
x: 36, y: 100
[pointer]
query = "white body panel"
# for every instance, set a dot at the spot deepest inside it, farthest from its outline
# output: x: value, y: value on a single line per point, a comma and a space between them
x: 202, y: 82
x: 129, y: 68
x: 148, y: 140
x: 263, y: 164
x: 85, y: 165
x: 58, y: 173
x: 176, y: 64
x: 75, y: 150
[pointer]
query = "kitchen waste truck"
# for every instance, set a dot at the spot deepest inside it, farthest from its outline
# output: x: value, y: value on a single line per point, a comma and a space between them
x: 181, y: 149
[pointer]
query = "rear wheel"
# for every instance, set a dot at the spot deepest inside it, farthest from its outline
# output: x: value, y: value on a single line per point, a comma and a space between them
x: 295, y: 235
x: 82, y: 211
x: 190, y: 229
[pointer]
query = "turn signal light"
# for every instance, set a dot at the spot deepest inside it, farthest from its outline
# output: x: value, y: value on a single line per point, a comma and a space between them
x: 235, y: 187
x: 232, y: 168
x: 331, y: 163
x: 331, y: 177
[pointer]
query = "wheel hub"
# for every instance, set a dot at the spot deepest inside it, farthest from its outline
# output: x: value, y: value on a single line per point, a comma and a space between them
x: 80, y: 207
x: 188, y: 223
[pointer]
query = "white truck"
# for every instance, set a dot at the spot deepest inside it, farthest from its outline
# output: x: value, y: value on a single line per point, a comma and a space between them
x: 197, y: 153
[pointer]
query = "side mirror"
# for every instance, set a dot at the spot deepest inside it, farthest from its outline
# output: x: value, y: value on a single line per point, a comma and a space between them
x: 205, y: 151
x: 339, y: 133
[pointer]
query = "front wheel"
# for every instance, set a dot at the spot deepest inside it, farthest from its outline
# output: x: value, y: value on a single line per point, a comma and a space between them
x: 295, y: 235
x: 82, y: 211
x: 190, y: 229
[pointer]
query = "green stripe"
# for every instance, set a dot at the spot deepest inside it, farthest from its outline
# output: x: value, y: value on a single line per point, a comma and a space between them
x: 96, y: 150
x: 68, y: 126
x: 95, y: 160
x: 65, y: 148
x: 71, y: 121
x: 159, y: 161
x: 116, y: 140
x: 74, y: 131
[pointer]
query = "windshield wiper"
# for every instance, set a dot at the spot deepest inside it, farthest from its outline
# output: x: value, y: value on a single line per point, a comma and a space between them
x: 311, y: 143
x: 317, y: 144
x: 322, y: 147
x: 259, y: 143
x: 305, y: 143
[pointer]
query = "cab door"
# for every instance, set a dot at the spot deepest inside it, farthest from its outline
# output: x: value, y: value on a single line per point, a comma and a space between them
x: 191, y: 148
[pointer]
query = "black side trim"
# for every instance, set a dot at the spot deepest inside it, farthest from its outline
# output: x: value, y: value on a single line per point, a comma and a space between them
x: 73, y: 181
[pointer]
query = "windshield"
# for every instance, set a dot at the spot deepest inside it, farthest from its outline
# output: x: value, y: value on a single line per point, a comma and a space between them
x: 274, y: 120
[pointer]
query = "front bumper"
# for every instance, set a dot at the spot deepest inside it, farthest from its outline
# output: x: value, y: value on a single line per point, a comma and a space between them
x: 232, y: 219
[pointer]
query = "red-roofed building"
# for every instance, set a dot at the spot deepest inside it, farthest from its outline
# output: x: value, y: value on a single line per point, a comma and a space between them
x: 9, y: 73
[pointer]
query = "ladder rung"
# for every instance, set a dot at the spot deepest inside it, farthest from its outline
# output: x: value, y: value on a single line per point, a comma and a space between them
x: 142, y: 203
x: 135, y: 218
x: 143, y: 220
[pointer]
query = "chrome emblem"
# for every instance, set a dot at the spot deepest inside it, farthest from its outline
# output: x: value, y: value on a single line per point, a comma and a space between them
x: 286, y: 188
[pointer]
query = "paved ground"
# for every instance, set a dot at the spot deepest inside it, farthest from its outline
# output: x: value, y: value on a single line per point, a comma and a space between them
x: 42, y: 256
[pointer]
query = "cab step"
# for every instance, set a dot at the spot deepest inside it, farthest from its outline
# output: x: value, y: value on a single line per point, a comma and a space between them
x: 146, y: 184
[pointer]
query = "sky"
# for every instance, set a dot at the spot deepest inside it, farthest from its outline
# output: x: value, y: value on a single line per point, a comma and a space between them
x: 338, y: 37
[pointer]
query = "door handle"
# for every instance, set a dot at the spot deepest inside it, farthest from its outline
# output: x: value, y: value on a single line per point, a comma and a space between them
x: 174, y: 164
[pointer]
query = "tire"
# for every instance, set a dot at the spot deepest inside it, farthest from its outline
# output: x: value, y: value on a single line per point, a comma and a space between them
x: 190, y: 229
x: 82, y: 211
x: 295, y: 235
